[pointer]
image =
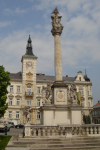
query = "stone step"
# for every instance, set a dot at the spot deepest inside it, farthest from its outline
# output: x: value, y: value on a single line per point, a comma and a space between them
x: 60, y: 148
x: 79, y: 143
x: 55, y: 145
x: 60, y: 139
x: 56, y: 142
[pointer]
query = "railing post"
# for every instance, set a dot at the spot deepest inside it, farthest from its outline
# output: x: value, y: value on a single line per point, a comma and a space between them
x: 39, y: 132
x: 87, y: 130
x: 95, y: 130
x: 69, y: 132
x: 53, y: 131
x: 34, y: 130
x: 48, y: 131
x: 43, y: 131
x: 80, y: 132
x: 75, y: 131
x: 27, y: 131
x: 91, y: 130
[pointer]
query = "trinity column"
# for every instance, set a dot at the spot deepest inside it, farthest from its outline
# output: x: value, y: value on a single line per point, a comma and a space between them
x: 64, y: 108
x: 56, y: 32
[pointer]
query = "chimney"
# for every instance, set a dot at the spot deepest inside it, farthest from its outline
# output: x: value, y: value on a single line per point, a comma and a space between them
x: 98, y: 101
x: 66, y: 75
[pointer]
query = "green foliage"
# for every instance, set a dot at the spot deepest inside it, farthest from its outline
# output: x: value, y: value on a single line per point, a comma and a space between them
x: 51, y: 101
x: 4, y: 141
x: 86, y: 119
x: 4, y: 82
x: 78, y: 102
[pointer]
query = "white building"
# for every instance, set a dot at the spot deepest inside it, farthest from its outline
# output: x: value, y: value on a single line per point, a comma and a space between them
x: 26, y: 87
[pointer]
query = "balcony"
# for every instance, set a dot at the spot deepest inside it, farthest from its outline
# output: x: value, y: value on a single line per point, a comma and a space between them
x: 29, y: 93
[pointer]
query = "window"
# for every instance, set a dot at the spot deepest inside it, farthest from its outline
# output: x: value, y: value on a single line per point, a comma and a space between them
x: 88, y: 93
x: 38, y: 115
x: 38, y: 90
x: 18, y: 89
x: 79, y: 78
x: 11, y: 76
x: 38, y: 102
x: 82, y: 103
x: 10, y: 114
x: 81, y: 91
x: 10, y: 101
x: 28, y: 90
x: 17, y: 114
x: 18, y: 102
x: 28, y: 102
x: 11, y: 89
x: 88, y: 104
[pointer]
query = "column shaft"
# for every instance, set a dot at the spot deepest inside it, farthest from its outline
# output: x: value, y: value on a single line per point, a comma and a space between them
x: 58, y: 58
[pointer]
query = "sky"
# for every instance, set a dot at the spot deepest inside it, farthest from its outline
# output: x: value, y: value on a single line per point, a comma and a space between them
x: 80, y: 39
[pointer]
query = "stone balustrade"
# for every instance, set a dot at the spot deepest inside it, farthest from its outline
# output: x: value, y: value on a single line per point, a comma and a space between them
x: 61, y: 130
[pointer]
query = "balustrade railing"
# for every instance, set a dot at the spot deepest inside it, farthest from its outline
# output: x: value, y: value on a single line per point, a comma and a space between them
x: 61, y: 131
x: 29, y: 93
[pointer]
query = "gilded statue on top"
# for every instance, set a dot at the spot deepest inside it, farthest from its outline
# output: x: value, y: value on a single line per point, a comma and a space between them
x: 57, y: 26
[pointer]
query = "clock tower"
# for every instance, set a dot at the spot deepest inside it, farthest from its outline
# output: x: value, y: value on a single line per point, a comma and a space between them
x: 29, y: 79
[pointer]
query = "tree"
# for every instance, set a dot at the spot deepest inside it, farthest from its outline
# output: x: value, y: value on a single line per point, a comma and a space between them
x: 4, y: 82
x: 86, y: 119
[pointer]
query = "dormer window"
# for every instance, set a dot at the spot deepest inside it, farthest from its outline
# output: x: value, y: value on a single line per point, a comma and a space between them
x: 79, y: 78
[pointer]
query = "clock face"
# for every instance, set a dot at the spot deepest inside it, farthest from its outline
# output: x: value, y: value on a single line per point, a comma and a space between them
x: 29, y: 63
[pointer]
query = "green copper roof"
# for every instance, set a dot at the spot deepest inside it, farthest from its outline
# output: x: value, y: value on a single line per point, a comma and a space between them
x: 29, y: 51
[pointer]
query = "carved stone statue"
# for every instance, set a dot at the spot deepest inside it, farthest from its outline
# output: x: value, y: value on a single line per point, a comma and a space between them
x: 72, y: 98
x: 27, y: 114
x: 47, y: 94
x: 57, y: 26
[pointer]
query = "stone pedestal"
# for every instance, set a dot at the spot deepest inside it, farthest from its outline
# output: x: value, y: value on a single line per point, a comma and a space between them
x: 60, y: 115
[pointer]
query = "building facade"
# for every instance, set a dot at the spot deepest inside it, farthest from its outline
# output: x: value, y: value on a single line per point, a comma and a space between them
x: 96, y: 113
x: 26, y: 89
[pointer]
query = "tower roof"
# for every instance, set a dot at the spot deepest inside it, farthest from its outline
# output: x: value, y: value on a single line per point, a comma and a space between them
x: 29, y: 49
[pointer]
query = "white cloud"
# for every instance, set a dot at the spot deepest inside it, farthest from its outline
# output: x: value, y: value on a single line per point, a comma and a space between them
x: 4, y: 24
x: 38, y: 26
x: 8, y: 11
x: 18, y: 10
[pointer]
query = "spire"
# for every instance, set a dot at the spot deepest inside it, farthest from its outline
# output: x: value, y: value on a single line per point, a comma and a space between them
x: 56, y: 12
x: 29, y: 47
x: 85, y: 77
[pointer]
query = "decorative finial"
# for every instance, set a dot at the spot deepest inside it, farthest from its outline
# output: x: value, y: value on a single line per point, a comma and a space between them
x: 85, y: 72
x: 56, y: 12
x: 29, y: 39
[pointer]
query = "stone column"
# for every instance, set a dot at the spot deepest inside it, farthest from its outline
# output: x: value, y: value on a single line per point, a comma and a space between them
x: 56, y: 32
x: 58, y: 58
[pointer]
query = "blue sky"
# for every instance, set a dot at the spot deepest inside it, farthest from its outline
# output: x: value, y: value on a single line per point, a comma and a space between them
x: 80, y: 39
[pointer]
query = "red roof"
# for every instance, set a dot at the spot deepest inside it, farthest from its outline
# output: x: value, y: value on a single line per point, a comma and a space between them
x: 98, y: 104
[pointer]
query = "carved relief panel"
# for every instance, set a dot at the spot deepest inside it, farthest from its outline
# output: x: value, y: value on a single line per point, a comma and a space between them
x: 60, y: 95
x: 29, y: 76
